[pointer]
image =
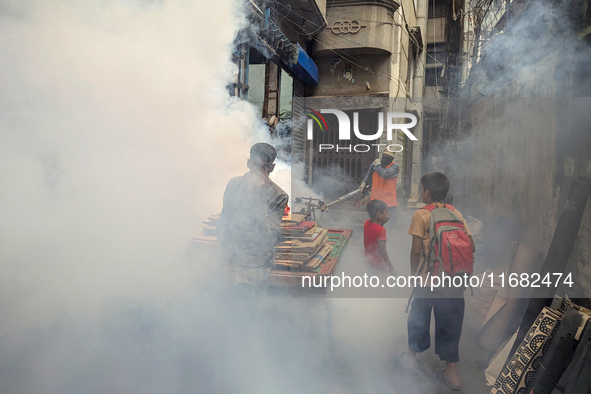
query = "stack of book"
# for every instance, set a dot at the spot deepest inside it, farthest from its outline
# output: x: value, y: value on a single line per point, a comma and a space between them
x: 306, y: 248
x: 304, y: 244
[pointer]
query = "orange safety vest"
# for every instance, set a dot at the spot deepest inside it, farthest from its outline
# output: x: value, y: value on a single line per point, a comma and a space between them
x: 384, y: 189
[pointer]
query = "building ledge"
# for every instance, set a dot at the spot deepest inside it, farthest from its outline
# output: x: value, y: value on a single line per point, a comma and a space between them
x: 308, y: 9
x: 389, y: 4
x: 350, y: 27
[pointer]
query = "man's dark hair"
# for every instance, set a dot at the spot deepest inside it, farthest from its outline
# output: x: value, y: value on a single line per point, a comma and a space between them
x: 376, y: 206
x: 263, y: 153
x: 437, y: 184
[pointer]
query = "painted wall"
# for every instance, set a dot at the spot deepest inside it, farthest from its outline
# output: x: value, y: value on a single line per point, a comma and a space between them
x: 363, y: 26
x: 335, y: 83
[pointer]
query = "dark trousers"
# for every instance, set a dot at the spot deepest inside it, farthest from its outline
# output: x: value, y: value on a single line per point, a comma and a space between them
x: 449, y: 316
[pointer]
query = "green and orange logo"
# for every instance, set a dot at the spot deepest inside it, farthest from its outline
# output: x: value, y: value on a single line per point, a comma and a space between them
x: 316, y: 115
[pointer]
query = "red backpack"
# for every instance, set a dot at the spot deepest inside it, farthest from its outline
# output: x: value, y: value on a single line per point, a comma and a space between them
x: 449, y: 244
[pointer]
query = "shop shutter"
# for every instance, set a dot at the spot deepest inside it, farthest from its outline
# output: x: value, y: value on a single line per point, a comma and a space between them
x: 298, y: 120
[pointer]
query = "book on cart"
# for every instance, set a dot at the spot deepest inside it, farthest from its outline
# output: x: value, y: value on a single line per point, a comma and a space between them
x: 305, y: 248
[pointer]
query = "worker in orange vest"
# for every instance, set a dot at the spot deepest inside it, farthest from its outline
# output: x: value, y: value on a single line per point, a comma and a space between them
x: 384, y: 175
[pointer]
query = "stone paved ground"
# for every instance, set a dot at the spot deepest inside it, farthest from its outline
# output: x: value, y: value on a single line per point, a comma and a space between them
x: 370, y: 333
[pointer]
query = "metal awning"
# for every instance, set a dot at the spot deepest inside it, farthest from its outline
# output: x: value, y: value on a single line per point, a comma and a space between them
x: 304, y: 67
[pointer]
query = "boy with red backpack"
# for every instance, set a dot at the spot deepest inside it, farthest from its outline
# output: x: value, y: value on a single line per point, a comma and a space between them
x: 441, y: 245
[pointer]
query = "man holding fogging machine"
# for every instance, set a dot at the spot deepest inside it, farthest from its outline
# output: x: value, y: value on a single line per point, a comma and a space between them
x: 248, y: 228
x: 381, y: 180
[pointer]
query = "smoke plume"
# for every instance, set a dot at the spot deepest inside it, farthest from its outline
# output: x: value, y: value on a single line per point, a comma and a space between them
x: 118, y: 138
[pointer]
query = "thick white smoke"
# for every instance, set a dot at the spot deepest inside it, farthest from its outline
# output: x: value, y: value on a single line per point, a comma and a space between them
x: 117, y: 140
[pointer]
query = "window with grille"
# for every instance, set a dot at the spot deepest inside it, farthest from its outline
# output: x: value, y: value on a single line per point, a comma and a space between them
x: 431, y: 129
x: 436, y: 53
x: 432, y: 76
x: 436, y: 9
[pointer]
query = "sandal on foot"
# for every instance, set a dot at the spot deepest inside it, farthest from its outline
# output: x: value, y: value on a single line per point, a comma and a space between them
x: 441, y: 377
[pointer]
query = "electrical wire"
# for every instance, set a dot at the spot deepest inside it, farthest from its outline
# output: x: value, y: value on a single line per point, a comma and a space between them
x: 413, y: 39
x: 348, y: 57
x: 435, y: 51
x: 332, y: 5
x: 343, y: 38
x: 289, y: 5
x: 352, y: 61
x: 357, y: 19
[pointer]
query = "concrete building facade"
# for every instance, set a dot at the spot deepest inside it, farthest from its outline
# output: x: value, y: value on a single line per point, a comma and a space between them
x: 372, y: 53
x: 370, y: 56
